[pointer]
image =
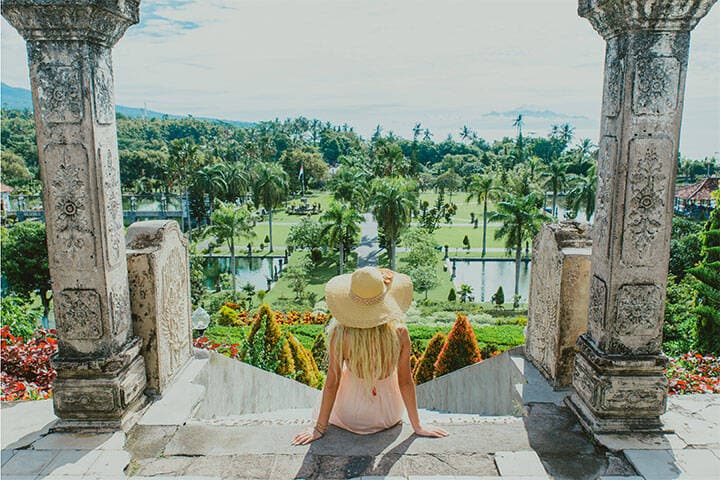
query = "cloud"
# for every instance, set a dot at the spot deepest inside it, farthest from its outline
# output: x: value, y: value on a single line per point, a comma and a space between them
x: 377, y: 62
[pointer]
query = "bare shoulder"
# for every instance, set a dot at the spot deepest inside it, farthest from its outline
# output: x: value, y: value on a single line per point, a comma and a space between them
x: 403, y: 334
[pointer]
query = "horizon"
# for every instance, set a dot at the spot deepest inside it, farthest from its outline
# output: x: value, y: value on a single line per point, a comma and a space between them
x: 451, y: 64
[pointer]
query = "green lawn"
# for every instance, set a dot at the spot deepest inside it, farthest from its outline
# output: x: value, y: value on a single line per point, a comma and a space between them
x: 463, y: 207
x: 504, y: 336
x: 453, y: 236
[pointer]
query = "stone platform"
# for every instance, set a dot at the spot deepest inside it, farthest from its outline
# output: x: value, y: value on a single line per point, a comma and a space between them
x: 172, y: 441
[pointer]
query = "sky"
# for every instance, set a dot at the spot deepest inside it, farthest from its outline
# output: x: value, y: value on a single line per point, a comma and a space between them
x: 443, y: 63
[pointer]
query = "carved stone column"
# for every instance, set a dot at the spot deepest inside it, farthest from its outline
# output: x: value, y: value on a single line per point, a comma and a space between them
x: 101, y: 375
x: 619, y: 367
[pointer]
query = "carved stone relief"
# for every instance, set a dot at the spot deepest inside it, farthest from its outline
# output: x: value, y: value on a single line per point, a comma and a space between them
x: 72, y: 227
x: 636, y: 327
x: 119, y: 311
x: 85, y: 399
x: 103, y: 88
x: 603, y: 206
x: 113, y: 206
x: 598, y: 302
x: 60, y: 93
x: 645, y: 199
x: 612, y: 90
x: 656, y: 86
x: 175, y: 309
x: 79, y: 314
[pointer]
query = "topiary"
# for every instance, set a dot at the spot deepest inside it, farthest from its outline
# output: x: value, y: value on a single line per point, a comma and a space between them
x: 452, y: 296
x: 498, y: 297
x: 306, y: 370
x: 266, y: 332
x: 319, y: 351
x: 425, y: 369
x: 460, y: 350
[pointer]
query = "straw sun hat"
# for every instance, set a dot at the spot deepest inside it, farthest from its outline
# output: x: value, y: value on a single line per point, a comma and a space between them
x: 368, y: 297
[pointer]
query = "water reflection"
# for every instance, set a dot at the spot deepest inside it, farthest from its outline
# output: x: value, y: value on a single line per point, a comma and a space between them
x: 256, y: 271
x: 486, y: 276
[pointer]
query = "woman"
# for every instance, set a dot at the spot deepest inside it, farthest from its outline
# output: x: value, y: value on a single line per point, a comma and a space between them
x: 369, y: 381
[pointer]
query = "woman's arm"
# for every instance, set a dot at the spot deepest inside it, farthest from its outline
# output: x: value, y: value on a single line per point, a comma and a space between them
x: 328, y: 400
x: 407, y: 388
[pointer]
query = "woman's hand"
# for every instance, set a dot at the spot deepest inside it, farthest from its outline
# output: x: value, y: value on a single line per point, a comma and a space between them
x: 303, y: 438
x: 430, y: 432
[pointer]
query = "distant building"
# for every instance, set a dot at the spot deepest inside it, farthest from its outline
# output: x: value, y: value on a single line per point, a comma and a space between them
x: 696, y: 199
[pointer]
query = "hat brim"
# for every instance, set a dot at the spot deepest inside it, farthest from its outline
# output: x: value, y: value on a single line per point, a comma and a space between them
x: 350, y: 313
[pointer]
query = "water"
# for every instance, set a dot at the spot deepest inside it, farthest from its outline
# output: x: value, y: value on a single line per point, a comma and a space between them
x: 256, y: 271
x: 485, y: 278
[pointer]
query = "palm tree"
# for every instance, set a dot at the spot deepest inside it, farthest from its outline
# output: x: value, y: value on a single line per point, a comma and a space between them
x: 483, y: 189
x: 341, y: 226
x: 417, y: 130
x: 556, y: 177
x: 270, y: 188
x: 183, y: 162
x: 211, y: 180
x: 521, y: 218
x: 465, y: 292
x: 427, y: 135
x: 236, y: 179
x: 581, y: 192
x: 230, y: 224
x: 349, y: 184
x: 466, y: 133
x: 393, y: 202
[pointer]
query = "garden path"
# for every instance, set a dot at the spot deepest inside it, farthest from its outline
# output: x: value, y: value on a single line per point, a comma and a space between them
x: 369, y: 248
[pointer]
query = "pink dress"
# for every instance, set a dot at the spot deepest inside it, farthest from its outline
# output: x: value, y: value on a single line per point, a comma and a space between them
x: 363, y: 411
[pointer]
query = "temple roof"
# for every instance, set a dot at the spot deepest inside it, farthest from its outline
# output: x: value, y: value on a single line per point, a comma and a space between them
x: 698, y: 191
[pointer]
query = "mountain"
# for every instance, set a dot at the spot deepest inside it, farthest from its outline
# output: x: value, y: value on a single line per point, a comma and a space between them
x: 534, y: 113
x: 21, y: 98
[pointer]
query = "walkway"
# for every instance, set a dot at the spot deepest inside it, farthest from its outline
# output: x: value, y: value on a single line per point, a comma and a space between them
x: 369, y: 249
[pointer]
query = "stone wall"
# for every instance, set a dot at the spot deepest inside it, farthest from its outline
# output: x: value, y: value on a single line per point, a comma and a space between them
x: 159, y: 277
x: 559, y: 298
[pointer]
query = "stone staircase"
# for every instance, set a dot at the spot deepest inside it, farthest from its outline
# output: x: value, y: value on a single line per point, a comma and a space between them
x: 225, y: 419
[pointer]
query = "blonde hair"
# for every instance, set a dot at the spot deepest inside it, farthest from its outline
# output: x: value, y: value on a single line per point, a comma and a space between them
x: 371, y: 353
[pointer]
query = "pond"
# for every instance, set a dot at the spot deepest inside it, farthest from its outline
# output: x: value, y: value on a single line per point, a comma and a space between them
x: 256, y: 270
x: 486, y: 276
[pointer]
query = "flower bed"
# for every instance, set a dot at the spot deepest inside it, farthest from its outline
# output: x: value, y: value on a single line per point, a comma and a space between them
x: 693, y: 373
x: 26, y: 370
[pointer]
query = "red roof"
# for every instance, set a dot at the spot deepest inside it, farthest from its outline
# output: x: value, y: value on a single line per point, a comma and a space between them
x: 698, y: 191
x: 5, y: 188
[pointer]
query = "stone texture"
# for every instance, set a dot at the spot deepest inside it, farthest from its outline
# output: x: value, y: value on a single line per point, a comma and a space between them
x: 559, y: 296
x: 618, y: 372
x: 25, y: 422
x: 519, y: 463
x: 159, y: 276
x: 100, y: 373
x: 485, y: 388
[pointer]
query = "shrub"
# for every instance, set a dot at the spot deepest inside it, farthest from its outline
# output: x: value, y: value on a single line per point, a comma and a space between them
x: 267, y: 344
x: 425, y: 369
x: 413, y: 362
x: 498, y: 297
x: 27, y: 373
x: 19, y: 316
x: 306, y: 370
x: 460, y: 350
x: 228, y: 317
x: 214, y: 301
x: 319, y: 351
x: 452, y: 296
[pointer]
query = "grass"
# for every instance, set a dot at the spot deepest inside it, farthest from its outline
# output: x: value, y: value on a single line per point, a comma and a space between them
x: 463, y: 208
x: 504, y: 336
x: 453, y: 236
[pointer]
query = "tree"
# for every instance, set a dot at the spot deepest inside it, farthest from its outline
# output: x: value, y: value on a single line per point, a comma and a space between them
x: 349, y: 184
x: 498, y: 297
x: 555, y: 178
x: 466, y: 243
x: 270, y: 189
x: 25, y: 261
x: 581, y: 192
x: 452, y: 296
x: 307, y: 234
x: 182, y: 164
x: 319, y: 351
x: 14, y: 170
x: 448, y: 181
x: 315, y: 170
x: 482, y: 188
x: 460, y: 349
x: 297, y: 275
x: 465, y: 293
x: 521, y: 218
x: 708, y: 287
x: 341, y: 227
x: 230, y: 224
x: 421, y: 260
x: 392, y: 204
x: 306, y: 370
x: 425, y: 368
x: 210, y: 179
x: 267, y: 346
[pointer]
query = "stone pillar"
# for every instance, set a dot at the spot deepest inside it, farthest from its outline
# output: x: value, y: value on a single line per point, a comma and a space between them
x: 159, y: 275
x: 101, y: 375
x: 618, y: 376
x: 558, y: 303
